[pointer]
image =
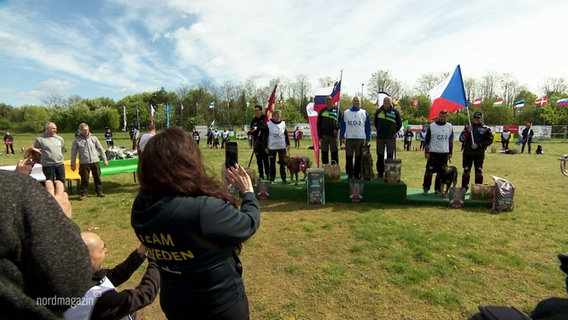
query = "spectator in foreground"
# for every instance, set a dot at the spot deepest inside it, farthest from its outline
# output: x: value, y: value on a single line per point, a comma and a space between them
x: 42, y: 255
x: 199, y: 223
x: 108, y: 302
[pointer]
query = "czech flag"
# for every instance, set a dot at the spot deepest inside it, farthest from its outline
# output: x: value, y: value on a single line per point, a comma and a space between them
x: 449, y: 95
x: 319, y: 99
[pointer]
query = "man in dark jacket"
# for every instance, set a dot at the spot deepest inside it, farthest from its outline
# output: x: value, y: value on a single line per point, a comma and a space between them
x: 103, y: 301
x: 387, y: 122
x: 475, y: 138
x: 328, y: 130
x: 527, y: 135
x: 257, y: 127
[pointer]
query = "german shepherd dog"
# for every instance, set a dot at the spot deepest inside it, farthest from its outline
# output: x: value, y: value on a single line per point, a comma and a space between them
x: 297, y: 164
x: 367, y: 163
x: 448, y: 178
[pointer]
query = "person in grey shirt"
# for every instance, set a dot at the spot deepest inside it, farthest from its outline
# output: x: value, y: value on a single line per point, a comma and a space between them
x: 86, y: 146
x: 51, y: 146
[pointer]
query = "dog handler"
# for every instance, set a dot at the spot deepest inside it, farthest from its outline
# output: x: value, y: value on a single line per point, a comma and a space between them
x: 438, y: 147
x: 476, y: 138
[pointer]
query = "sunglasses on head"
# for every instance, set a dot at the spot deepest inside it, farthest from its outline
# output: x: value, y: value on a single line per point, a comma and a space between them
x: 477, y: 117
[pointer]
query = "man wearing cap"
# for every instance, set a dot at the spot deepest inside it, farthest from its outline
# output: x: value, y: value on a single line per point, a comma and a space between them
x: 438, y: 146
x: 476, y: 138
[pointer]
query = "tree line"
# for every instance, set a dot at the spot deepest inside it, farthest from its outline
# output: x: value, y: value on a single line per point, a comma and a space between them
x: 233, y: 103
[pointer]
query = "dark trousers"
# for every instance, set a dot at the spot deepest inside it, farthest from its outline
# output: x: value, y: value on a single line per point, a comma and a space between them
x: 9, y: 147
x: 435, y: 163
x: 239, y: 311
x: 53, y: 173
x: 505, y: 143
x: 261, y: 159
x: 272, y: 159
x: 84, y: 171
x: 475, y: 159
x: 353, y: 147
x: 390, y: 145
x: 525, y: 142
x: 329, y: 143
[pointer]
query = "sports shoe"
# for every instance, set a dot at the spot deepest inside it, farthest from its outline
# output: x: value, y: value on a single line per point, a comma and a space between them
x: 83, y: 197
x: 285, y: 181
x: 101, y: 195
x: 425, y: 191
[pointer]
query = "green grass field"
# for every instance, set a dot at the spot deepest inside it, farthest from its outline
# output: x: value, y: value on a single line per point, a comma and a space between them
x: 373, y: 261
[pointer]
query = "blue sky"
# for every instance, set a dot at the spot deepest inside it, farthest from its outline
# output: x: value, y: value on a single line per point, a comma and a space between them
x: 116, y: 48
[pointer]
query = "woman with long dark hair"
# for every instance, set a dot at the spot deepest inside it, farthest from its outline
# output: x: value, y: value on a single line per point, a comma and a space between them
x: 192, y: 226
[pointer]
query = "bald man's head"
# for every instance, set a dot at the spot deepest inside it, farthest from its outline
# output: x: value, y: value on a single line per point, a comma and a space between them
x: 97, y: 249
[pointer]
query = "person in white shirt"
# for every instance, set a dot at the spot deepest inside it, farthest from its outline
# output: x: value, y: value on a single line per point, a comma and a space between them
x: 438, y: 147
x: 354, y: 132
x: 278, y: 143
x: 145, y: 137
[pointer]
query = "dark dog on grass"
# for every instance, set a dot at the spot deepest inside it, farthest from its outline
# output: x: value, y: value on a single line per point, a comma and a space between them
x: 367, y: 163
x: 448, y: 178
x: 297, y: 164
x: 539, y: 150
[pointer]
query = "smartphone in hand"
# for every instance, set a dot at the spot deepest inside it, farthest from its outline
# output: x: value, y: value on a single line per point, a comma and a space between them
x: 231, y: 153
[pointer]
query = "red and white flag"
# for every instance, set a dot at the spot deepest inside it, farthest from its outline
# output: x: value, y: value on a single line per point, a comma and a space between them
x: 498, y: 102
x: 270, y: 106
x: 415, y: 103
x: 541, y: 101
x: 477, y: 102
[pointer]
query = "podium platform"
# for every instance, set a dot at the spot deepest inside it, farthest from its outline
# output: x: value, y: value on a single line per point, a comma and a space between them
x: 375, y: 191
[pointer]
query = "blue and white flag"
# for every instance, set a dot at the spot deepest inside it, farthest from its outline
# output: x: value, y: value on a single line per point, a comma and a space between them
x: 169, y: 109
x: 212, y: 105
x: 519, y: 103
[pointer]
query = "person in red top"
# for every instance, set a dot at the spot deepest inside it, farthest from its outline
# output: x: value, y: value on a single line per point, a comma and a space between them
x: 297, y: 137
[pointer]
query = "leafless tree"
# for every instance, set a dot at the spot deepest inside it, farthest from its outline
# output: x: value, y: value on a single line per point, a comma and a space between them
x: 554, y: 85
x: 488, y: 85
x: 54, y: 100
x: 510, y: 87
x: 471, y: 89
